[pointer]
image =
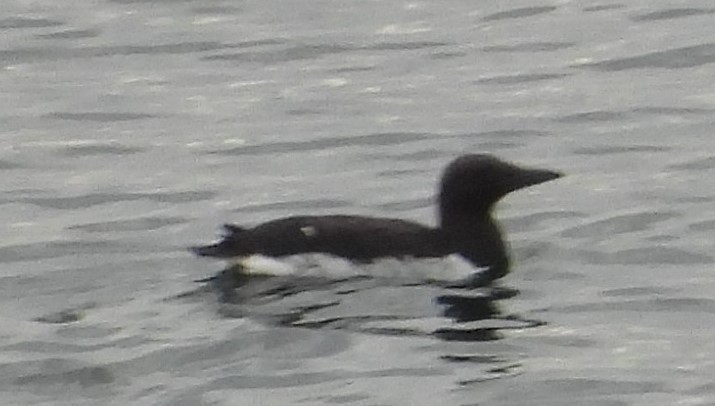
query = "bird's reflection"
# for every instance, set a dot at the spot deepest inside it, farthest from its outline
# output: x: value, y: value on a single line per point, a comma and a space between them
x: 470, y: 309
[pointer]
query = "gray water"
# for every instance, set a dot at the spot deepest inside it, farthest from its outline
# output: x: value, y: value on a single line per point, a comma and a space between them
x: 132, y: 129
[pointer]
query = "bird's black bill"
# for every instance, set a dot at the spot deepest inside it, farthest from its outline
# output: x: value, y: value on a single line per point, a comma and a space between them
x: 531, y: 177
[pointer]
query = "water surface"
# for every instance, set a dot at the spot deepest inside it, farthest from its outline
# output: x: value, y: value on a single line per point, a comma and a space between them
x: 132, y: 129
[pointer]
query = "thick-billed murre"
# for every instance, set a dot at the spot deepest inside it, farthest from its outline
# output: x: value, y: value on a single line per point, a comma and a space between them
x: 469, y: 188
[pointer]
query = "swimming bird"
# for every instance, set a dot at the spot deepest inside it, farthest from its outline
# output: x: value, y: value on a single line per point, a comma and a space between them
x: 469, y: 188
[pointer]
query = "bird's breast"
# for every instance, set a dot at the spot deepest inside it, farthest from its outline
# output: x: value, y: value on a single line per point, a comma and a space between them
x: 409, y: 269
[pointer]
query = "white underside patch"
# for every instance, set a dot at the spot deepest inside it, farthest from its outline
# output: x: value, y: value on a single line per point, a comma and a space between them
x: 450, y: 268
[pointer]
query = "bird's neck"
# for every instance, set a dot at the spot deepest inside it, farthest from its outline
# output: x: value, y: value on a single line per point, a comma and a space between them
x: 477, y: 237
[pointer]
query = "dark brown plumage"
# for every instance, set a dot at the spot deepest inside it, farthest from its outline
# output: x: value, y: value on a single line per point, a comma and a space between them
x: 469, y: 188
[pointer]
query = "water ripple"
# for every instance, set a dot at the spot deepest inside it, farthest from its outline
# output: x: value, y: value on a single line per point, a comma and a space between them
x: 94, y: 199
x: 706, y: 225
x: 216, y: 9
x: 501, y: 134
x: 56, y: 249
x: 676, y: 58
x: 622, y: 149
x: 33, y: 54
x: 671, y: 111
x: 285, y: 55
x: 529, y: 47
x: 616, y: 115
x: 519, y: 13
x: 593, y: 116
x: 137, y: 224
x: 660, y: 255
x: 380, y: 139
x: 700, y: 164
x: 575, y: 390
x: 521, y: 78
x: 70, y: 34
x: 399, y: 46
x: 100, y: 117
x: 99, y: 149
x: 636, y: 291
x: 9, y: 165
x: 22, y: 22
x: 64, y: 372
x: 672, y: 13
x: 407, y: 205
x: 668, y: 305
x: 603, y: 7
x: 150, y: 1
x: 313, y: 51
x: 315, y: 204
x: 626, y: 223
x: 530, y: 221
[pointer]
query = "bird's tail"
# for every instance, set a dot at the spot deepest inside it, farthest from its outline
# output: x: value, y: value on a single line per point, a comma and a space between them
x: 213, y: 250
x: 225, y: 248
